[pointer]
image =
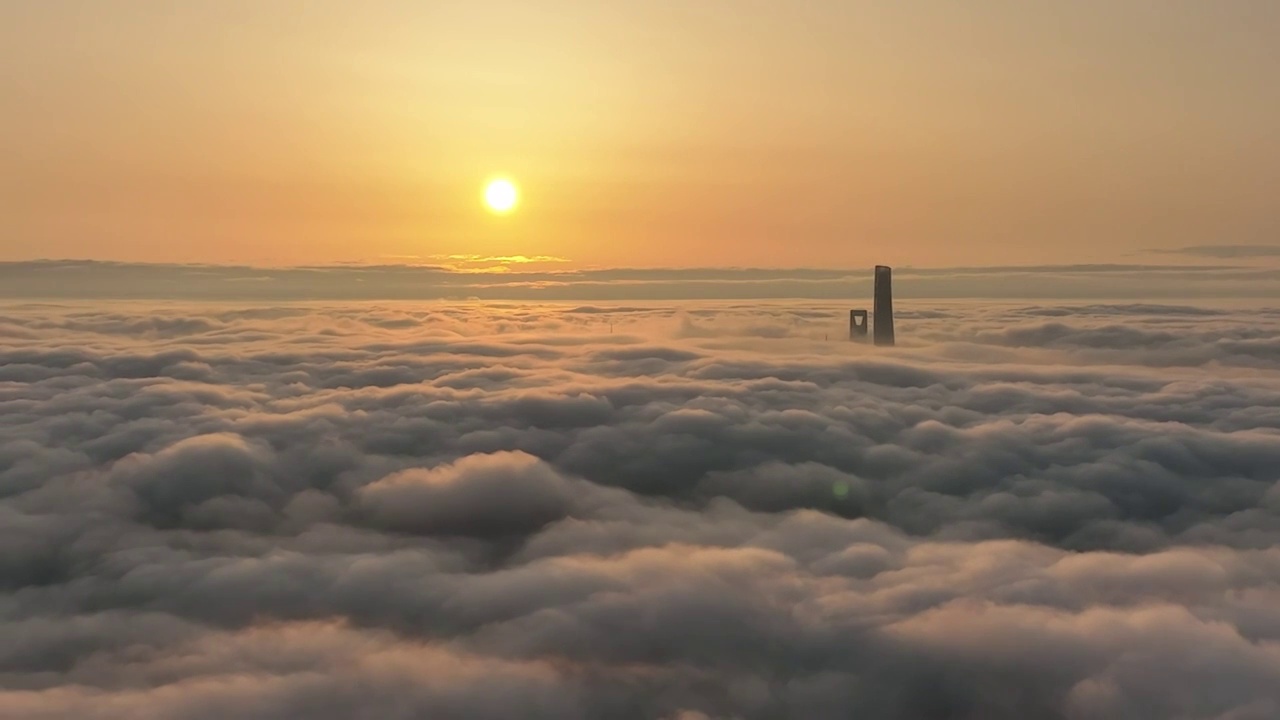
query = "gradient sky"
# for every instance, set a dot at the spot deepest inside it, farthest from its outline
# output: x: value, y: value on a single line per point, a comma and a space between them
x: 646, y: 133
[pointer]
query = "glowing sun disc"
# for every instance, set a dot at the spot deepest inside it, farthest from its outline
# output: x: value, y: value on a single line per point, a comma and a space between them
x: 501, y: 195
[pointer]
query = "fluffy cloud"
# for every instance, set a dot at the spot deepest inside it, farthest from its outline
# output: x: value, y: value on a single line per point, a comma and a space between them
x: 508, y: 493
x: 650, y: 511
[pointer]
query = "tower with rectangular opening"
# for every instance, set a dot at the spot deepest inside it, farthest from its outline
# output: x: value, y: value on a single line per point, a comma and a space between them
x: 858, y: 324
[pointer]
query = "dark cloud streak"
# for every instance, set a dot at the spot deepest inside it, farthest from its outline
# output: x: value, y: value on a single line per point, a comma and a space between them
x: 1227, y: 252
x: 67, y: 279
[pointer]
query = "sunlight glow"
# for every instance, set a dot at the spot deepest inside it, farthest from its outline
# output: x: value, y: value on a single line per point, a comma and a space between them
x: 501, y: 196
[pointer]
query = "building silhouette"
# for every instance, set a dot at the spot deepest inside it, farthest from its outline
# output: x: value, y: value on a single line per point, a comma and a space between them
x: 858, y: 324
x: 882, y: 311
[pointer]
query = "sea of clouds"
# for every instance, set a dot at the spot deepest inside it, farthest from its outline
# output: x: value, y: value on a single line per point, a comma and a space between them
x: 668, y: 511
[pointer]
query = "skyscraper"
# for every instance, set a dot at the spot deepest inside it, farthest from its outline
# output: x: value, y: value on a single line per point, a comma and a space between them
x: 883, y: 309
x: 858, y: 325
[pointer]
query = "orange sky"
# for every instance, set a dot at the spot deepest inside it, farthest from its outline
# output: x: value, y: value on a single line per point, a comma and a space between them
x: 657, y: 132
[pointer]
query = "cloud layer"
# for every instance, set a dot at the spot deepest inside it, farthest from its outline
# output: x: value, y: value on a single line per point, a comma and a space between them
x: 541, y: 279
x: 719, y: 510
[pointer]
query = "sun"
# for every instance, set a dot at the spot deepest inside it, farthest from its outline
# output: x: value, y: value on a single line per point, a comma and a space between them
x: 501, y: 195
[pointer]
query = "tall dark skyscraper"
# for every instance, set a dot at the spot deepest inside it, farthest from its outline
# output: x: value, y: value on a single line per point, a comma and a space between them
x: 883, y: 309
